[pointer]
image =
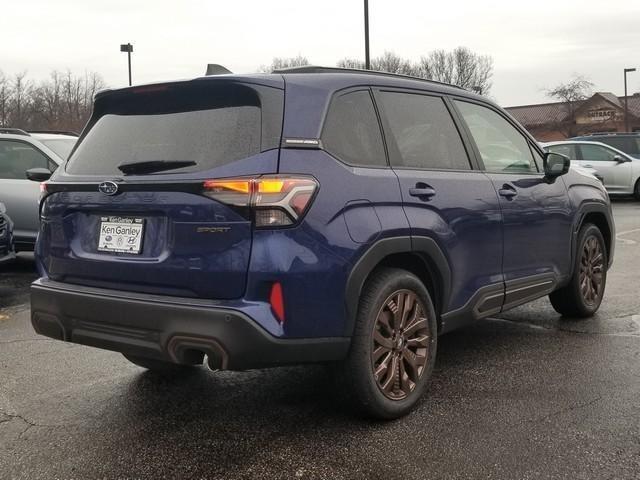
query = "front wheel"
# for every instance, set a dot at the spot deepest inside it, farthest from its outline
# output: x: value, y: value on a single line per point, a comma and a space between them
x: 582, y: 296
x: 393, y: 349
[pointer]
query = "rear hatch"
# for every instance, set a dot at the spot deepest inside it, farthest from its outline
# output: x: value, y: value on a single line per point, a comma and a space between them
x: 131, y: 210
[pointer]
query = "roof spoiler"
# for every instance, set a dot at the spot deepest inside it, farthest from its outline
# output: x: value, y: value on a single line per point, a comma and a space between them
x: 215, y: 69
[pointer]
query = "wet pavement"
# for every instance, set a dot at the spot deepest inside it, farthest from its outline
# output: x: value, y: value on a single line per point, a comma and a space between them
x: 526, y: 395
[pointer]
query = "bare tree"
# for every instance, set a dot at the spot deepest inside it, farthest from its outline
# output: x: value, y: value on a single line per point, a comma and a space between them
x: 387, y: 62
x: 63, y: 102
x: 5, y: 95
x: 571, y: 94
x: 460, y: 67
x: 284, y: 62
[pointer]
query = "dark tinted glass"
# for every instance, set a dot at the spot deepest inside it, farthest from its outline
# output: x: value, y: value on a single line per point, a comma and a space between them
x: 210, y: 124
x: 621, y: 143
x: 18, y: 157
x: 502, y: 147
x: 352, y: 132
x: 424, y: 132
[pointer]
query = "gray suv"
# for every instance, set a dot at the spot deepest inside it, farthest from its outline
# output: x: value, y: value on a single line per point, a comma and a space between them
x: 21, y: 151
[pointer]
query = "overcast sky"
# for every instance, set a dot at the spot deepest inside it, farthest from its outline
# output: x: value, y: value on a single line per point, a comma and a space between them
x: 534, y: 44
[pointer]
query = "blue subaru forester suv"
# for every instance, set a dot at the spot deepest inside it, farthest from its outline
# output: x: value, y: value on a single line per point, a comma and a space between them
x: 309, y: 215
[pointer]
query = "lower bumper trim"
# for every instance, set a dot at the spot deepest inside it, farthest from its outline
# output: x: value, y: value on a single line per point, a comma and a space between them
x: 139, y: 324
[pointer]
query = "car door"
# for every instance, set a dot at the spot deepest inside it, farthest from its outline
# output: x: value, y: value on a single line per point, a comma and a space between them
x: 616, y: 174
x: 445, y: 199
x: 20, y: 195
x: 537, y: 214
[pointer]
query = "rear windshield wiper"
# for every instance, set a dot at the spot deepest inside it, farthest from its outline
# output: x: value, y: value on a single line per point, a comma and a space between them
x: 151, y: 166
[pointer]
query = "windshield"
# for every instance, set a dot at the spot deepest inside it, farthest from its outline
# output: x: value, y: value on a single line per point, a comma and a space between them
x: 205, y: 126
x: 61, y: 146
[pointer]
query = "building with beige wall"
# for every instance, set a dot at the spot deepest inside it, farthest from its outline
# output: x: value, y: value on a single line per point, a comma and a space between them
x: 603, y: 112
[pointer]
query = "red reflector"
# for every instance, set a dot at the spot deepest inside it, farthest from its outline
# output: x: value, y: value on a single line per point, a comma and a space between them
x: 277, y: 301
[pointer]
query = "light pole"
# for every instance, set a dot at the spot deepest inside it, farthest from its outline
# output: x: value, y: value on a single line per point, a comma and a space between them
x: 127, y: 47
x: 367, y: 63
x: 626, y: 107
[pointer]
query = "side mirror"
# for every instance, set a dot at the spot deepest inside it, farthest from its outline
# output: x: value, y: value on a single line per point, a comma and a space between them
x: 38, y: 174
x: 555, y: 164
x: 621, y: 159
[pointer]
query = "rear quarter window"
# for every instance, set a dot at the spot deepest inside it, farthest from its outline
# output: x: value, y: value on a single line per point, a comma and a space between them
x: 351, y: 131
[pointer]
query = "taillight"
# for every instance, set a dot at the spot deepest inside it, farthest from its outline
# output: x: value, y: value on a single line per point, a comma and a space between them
x: 274, y: 201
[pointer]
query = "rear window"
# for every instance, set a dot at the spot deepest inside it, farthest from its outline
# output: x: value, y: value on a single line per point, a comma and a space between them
x: 206, y: 122
x: 630, y: 145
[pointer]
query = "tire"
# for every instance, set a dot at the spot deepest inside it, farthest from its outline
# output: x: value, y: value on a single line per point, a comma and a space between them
x: 582, y: 296
x: 159, y: 366
x: 392, y: 338
x: 636, y: 190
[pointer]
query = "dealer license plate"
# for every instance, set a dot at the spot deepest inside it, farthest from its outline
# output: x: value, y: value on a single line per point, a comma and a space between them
x: 121, y: 234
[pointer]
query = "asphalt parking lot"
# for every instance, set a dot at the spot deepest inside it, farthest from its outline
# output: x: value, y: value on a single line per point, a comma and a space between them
x: 526, y: 395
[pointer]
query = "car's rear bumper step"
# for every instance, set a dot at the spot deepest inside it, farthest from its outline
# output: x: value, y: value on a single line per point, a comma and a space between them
x: 168, y: 328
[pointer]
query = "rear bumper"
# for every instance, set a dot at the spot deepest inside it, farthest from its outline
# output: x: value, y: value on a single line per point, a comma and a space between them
x: 168, y: 328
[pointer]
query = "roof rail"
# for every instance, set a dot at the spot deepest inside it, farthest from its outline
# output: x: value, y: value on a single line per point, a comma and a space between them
x: 599, y: 134
x: 57, y: 132
x: 13, y: 131
x: 317, y: 69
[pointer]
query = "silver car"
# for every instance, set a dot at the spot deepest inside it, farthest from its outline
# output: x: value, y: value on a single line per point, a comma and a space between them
x: 21, y: 151
x: 6, y: 236
x: 619, y: 172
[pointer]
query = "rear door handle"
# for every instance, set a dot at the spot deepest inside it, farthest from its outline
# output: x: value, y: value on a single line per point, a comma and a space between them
x: 507, y: 191
x: 588, y: 166
x: 422, y: 191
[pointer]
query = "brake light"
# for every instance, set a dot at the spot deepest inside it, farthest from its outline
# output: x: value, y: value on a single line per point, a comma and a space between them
x: 275, y: 201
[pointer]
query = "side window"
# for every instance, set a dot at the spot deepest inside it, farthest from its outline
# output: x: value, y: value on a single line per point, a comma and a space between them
x: 568, y: 150
x: 352, y: 132
x: 18, y: 157
x: 596, y: 153
x: 423, y: 131
x: 502, y: 147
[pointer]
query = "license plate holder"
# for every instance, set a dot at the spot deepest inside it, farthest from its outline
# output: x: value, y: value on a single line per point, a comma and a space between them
x: 121, y: 234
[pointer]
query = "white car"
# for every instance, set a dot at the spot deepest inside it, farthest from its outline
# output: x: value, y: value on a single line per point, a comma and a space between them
x: 619, y: 172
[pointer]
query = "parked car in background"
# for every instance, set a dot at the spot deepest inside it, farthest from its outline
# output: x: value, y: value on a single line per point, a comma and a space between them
x: 7, y: 251
x: 349, y: 219
x: 21, y: 151
x: 619, y: 171
x: 628, y: 143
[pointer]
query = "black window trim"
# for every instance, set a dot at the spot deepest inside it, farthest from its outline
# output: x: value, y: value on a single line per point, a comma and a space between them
x: 533, y: 145
x: 345, y: 91
x: 386, y: 128
x: 37, y: 149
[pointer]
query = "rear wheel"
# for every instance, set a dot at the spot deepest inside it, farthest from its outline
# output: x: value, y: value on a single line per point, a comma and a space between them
x: 159, y: 366
x: 582, y: 296
x: 394, y: 344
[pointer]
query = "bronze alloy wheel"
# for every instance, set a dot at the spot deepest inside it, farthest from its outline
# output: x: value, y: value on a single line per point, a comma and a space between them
x: 400, y: 344
x: 591, y: 271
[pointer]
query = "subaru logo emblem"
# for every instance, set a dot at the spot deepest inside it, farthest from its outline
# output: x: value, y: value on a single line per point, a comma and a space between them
x: 108, y: 188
